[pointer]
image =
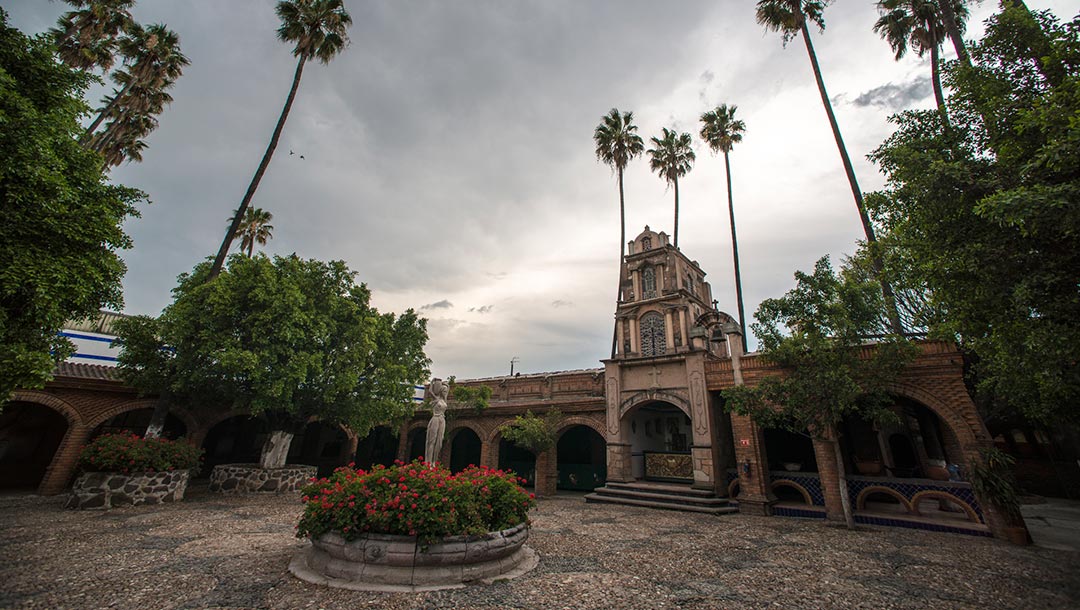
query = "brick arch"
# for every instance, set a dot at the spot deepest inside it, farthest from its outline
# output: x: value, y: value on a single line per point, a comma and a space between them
x: 968, y: 435
x: 61, y: 406
x: 579, y: 420
x: 644, y: 397
x: 860, y: 501
x: 792, y: 484
x: 943, y: 495
x: 457, y: 425
x: 190, y: 424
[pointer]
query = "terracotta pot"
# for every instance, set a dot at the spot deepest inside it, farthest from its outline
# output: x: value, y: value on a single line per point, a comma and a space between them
x: 868, y: 468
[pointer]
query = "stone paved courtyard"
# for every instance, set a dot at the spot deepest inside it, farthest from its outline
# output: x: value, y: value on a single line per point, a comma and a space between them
x: 232, y: 552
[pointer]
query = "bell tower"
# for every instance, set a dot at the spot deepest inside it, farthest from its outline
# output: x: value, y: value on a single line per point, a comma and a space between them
x: 662, y: 423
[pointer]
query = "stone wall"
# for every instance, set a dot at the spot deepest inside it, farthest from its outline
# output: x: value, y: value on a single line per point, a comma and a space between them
x: 248, y: 478
x: 105, y: 490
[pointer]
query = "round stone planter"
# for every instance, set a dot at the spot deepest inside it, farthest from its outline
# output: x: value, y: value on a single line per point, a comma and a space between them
x: 381, y: 562
x: 247, y: 478
x: 103, y: 490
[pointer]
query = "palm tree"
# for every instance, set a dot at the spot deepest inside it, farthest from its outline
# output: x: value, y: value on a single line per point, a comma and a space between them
x: 617, y: 142
x: 721, y: 130
x: 255, y: 228
x: 87, y: 38
x: 154, y: 62
x: 952, y: 27
x: 672, y: 158
x: 319, y: 29
x: 917, y: 24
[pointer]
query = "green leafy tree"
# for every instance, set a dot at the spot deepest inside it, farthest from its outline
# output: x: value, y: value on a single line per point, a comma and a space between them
x: 918, y: 25
x: 286, y: 339
x: 722, y: 131
x: 617, y: 143
x: 60, y: 219
x: 817, y: 333
x: 533, y: 433
x: 477, y: 398
x: 319, y: 29
x: 672, y: 157
x: 255, y: 228
x: 984, y: 218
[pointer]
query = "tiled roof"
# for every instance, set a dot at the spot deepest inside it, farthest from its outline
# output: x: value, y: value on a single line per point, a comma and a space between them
x: 536, y: 375
x: 77, y: 370
x: 101, y: 323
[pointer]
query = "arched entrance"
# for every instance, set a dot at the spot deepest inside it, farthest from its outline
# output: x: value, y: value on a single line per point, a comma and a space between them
x: 464, y: 449
x: 236, y: 440
x: 659, y: 436
x: 378, y: 447
x: 29, y: 436
x: 521, y: 461
x: 789, y: 452
x: 136, y: 421
x: 581, y: 459
x: 418, y: 444
x: 320, y: 444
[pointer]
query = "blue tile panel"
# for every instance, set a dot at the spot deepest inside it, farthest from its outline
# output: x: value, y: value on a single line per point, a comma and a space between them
x: 909, y: 488
x: 809, y: 481
x: 918, y: 525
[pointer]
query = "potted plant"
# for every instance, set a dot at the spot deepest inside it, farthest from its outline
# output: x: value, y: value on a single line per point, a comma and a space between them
x: 414, y: 526
x: 127, y: 469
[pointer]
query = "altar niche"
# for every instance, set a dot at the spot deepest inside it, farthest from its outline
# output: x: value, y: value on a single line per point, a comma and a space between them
x: 659, y: 434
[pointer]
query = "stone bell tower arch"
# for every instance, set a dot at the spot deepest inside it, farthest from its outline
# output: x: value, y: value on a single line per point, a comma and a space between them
x: 662, y: 423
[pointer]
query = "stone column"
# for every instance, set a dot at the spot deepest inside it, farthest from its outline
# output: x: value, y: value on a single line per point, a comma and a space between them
x: 825, y: 455
x: 62, y: 467
x: 618, y: 462
x: 403, y: 443
x: 669, y: 331
x: 752, y: 464
x: 546, y: 475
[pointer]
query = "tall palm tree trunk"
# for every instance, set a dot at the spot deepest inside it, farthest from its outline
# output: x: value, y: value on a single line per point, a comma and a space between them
x: 676, y: 183
x: 935, y: 78
x: 104, y: 113
x: 948, y: 15
x: 622, y: 254
x: 868, y: 228
x: 238, y: 218
x: 735, y: 248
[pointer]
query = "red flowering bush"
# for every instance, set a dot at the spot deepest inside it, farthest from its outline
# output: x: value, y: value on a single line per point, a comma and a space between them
x: 415, y: 499
x: 128, y: 453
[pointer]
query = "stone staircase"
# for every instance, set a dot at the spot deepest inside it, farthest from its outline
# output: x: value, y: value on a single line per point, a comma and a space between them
x: 666, y: 496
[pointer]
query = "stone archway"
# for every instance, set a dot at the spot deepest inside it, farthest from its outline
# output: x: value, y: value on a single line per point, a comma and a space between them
x: 61, y: 464
x: 657, y: 435
x: 581, y: 456
x: 463, y: 447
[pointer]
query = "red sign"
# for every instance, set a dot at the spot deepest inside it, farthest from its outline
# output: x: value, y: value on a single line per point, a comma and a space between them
x: 745, y: 442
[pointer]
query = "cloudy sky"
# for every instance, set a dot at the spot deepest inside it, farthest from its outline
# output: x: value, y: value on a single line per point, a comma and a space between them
x: 448, y: 154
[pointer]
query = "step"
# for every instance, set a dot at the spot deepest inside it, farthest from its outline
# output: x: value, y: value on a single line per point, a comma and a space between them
x: 665, y: 488
x: 661, y: 497
x: 711, y: 510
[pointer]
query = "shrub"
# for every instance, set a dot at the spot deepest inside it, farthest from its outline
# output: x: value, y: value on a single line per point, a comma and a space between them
x: 128, y: 453
x: 536, y: 434
x: 415, y: 499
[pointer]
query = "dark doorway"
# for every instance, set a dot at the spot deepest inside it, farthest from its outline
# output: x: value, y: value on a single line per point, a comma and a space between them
x: 789, y: 452
x: 378, y: 447
x: 236, y: 440
x: 136, y: 422
x: 464, y: 450
x: 417, y: 446
x: 521, y: 461
x: 322, y: 445
x: 29, y: 437
x: 904, y: 458
x: 582, y: 459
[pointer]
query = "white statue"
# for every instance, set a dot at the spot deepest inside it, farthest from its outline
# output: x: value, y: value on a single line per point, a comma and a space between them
x: 435, y: 395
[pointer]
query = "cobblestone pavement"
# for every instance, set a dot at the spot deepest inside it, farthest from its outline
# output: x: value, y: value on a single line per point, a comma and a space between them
x: 214, y: 551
